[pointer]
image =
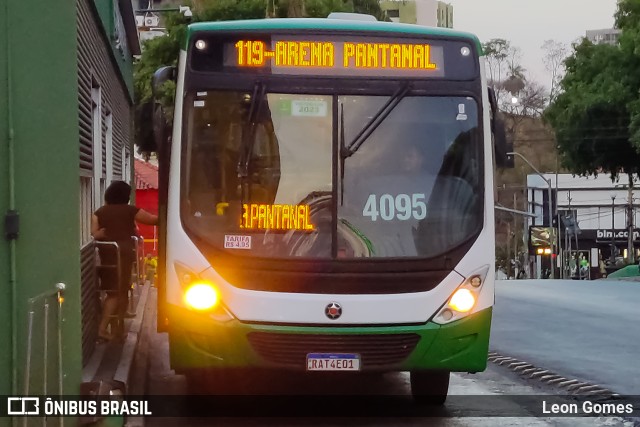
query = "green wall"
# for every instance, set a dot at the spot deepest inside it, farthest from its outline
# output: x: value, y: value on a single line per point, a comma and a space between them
x: 5, y: 294
x: 44, y: 105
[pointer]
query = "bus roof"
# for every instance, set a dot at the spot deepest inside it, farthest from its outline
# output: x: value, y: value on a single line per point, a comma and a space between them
x: 328, y: 24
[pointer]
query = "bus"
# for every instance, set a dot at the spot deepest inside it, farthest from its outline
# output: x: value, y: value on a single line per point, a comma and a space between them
x: 327, y: 201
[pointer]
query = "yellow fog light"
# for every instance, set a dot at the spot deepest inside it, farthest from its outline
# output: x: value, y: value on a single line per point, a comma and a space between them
x: 201, y: 296
x: 462, y: 300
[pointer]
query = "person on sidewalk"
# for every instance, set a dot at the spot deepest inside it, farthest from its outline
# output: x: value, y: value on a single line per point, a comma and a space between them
x: 116, y: 221
x: 150, y: 267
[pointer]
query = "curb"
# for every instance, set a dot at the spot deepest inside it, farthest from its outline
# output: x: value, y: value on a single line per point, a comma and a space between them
x: 140, y: 361
x: 569, y: 385
x: 123, y: 370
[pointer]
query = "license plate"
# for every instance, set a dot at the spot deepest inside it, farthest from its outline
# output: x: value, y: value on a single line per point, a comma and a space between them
x: 333, y: 362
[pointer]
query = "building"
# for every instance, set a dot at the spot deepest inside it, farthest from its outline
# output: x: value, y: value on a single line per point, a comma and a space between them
x: 146, y: 180
x: 430, y: 13
x: 593, y: 214
x: 608, y: 36
x: 149, y: 17
x: 66, y: 121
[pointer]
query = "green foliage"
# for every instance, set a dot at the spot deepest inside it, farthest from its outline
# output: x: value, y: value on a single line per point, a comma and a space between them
x: 322, y: 8
x: 227, y: 10
x: 596, y: 117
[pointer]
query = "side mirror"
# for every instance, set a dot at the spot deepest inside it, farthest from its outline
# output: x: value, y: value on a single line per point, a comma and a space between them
x: 501, y: 144
x: 161, y: 126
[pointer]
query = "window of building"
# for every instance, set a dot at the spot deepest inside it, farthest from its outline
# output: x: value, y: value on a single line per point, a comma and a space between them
x: 86, y: 209
x: 126, y: 173
x: 393, y: 13
x: 123, y: 155
x: 109, y: 149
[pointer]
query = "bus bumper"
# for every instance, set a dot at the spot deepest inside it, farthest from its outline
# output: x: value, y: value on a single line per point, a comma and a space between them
x: 198, y: 342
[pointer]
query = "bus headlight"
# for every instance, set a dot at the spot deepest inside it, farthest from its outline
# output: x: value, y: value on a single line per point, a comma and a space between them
x: 201, y: 296
x: 463, y: 299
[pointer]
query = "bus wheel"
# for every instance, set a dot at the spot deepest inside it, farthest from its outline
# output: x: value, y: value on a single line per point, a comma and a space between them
x: 430, y: 387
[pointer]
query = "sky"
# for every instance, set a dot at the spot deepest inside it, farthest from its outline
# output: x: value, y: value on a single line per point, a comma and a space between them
x: 527, y: 24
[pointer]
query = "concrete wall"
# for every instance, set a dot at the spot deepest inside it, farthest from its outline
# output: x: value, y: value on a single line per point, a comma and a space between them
x: 427, y: 12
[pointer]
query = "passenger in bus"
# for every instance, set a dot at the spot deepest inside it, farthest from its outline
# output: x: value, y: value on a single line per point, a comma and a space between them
x: 116, y: 221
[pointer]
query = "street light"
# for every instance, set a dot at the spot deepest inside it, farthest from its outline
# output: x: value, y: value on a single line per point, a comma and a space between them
x: 548, y: 181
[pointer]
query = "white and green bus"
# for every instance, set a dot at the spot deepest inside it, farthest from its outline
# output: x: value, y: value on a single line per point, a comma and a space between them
x: 326, y: 200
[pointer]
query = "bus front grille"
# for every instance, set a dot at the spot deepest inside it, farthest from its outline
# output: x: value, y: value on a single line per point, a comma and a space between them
x: 375, y: 350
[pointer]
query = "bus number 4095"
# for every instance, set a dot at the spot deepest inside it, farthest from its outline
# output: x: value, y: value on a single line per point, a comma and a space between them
x: 402, y: 207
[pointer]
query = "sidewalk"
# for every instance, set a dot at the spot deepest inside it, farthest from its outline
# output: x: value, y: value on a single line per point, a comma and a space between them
x: 109, y: 370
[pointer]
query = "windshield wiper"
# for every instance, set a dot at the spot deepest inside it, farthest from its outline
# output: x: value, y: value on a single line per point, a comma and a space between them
x: 349, y: 150
x: 375, y: 121
x: 249, y: 136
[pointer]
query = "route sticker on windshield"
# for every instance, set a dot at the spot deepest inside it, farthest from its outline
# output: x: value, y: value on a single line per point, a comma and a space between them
x: 237, y: 242
x: 309, y: 108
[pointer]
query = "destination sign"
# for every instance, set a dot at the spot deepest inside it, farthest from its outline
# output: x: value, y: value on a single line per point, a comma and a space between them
x: 286, y: 53
x: 276, y: 217
x: 334, y: 56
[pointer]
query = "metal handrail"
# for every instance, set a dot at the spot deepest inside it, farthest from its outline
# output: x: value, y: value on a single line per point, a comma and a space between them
x: 114, y: 244
x: 58, y: 293
x: 139, y: 245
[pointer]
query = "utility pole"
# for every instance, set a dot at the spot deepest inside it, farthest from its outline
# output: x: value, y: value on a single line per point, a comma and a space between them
x: 508, y: 250
x: 558, y: 242
x: 567, y: 237
x: 549, y: 205
x: 630, y: 249
x: 613, y: 230
x: 515, y: 237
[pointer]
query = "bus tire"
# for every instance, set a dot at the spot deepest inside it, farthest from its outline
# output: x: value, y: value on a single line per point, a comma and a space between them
x: 430, y: 387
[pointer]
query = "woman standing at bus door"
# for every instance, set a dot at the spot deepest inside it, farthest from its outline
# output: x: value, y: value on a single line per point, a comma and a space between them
x: 116, y: 221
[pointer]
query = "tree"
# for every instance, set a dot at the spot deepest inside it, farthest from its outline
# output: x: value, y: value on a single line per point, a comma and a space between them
x: 509, y: 81
x: 554, y: 56
x: 628, y: 20
x: 322, y: 8
x: 496, y: 55
x: 296, y: 9
x: 531, y: 99
x: 594, y: 116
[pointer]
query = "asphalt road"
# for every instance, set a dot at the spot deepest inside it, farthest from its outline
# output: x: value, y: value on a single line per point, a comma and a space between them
x: 494, y: 397
x: 588, y: 330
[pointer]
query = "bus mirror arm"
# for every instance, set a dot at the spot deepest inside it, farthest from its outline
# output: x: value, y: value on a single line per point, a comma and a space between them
x: 161, y: 126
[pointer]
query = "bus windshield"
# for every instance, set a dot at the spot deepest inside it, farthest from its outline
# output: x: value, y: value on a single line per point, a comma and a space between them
x: 267, y: 176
